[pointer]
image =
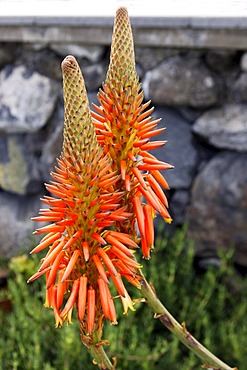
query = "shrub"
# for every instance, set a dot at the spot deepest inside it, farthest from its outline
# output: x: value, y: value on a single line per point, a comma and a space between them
x: 212, y: 304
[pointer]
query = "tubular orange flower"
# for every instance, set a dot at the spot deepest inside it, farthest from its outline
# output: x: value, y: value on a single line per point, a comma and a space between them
x: 124, y: 127
x: 83, y: 256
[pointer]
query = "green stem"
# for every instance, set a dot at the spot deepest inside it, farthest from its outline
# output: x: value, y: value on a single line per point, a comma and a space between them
x: 210, y: 360
x: 100, y: 357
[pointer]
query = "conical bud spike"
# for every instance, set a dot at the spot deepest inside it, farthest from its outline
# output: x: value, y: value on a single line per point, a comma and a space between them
x: 79, y: 130
x: 122, y: 59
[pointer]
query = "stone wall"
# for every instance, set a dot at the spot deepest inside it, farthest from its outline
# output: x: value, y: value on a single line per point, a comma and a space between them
x: 201, y: 94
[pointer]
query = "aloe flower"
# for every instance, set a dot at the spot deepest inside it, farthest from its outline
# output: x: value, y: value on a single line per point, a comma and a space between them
x: 124, y: 127
x: 85, y: 254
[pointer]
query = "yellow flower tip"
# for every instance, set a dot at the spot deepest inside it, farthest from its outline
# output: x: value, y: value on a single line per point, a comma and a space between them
x: 168, y: 220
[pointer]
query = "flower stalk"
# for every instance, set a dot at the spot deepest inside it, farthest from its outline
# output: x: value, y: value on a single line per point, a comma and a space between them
x: 180, y: 331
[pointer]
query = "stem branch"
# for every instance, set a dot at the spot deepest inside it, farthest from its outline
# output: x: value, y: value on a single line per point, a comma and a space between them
x: 100, y: 357
x: 210, y: 360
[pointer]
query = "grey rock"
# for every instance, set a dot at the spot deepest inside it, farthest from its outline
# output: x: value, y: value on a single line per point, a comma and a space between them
x: 179, y: 82
x: 224, y: 127
x: 7, y: 53
x: 52, y: 146
x: 243, y: 62
x: 180, y: 151
x: 217, y: 213
x: 16, y: 226
x: 149, y: 58
x: 93, y: 53
x: 221, y: 61
x: 240, y: 88
x: 26, y: 100
x: 43, y: 61
x: 94, y: 76
x: 18, y: 166
x: 34, y: 46
x: 178, y: 206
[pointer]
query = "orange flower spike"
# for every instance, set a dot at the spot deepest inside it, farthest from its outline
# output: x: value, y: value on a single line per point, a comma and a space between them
x: 72, y: 298
x: 82, y: 297
x: 90, y: 310
x: 71, y: 264
x: 129, y: 126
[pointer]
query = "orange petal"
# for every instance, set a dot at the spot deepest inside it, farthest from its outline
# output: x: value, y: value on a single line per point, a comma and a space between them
x: 103, y: 297
x: 161, y: 180
x: 150, y: 198
x: 99, y: 238
x: 147, y: 113
x: 139, y: 214
x: 50, y: 257
x: 50, y: 228
x: 139, y: 177
x: 157, y: 189
x: 46, y: 243
x: 149, y: 227
x: 61, y: 288
x: 117, y: 280
x: 111, y: 306
x: 58, y: 319
x: 100, y: 268
x: 106, y: 259
x: 82, y: 297
x: 152, y: 145
x: 38, y: 274
x: 124, y: 238
x: 73, y: 239
x: 86, y: 251
x: 154, y: 166
x: 71, y: 265
x: 54, y: 269
x: 118, y: 244
x: 72, y: 298
x: 131, y: 156
x: 123, y: 169
x: 145, y: 249
x: 90, y: 310
x: 122, y: 256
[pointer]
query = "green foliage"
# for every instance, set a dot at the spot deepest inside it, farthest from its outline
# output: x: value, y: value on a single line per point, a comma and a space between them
x: 213, y: 305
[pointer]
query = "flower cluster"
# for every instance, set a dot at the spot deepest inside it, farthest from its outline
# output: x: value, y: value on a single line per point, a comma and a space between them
x: 105, y: 192
x: 124, y: 127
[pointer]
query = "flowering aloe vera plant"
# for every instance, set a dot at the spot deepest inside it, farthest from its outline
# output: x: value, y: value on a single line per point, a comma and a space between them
x: 105, y: 192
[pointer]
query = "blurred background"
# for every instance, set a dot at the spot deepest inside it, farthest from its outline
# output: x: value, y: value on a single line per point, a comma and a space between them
x: 192, y: 61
